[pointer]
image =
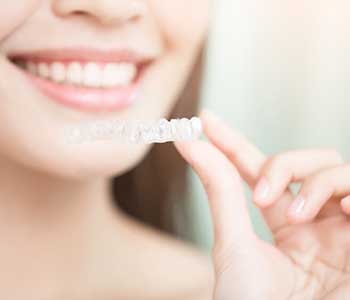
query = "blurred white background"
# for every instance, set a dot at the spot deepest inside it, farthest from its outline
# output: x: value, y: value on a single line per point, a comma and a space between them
x: 278, y: 71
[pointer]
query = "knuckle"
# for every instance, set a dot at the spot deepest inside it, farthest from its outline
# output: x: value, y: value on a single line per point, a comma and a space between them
x: 330, y: 181
x: 277, y: 159
x: 317, y: 180
x: 277, y: 164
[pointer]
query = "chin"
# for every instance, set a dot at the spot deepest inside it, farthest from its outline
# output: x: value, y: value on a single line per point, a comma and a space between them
x: 104, y: 160
x: 99, y: 161
x: 81, y: 162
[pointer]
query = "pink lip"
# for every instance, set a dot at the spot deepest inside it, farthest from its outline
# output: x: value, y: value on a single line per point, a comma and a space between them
x: 83, y: 54
x: 86, y: 98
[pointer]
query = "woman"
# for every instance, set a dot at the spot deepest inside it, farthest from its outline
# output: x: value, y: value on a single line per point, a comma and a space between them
x: 61, y: 236
x: 67, y: 61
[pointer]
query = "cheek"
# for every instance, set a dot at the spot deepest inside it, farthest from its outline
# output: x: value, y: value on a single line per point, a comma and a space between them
x: 13, y: 13
x: 183, y: 22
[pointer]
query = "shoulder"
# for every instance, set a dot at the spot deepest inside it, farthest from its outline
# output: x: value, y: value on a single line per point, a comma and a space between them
x: 175, y: 268
x: 190, y: 269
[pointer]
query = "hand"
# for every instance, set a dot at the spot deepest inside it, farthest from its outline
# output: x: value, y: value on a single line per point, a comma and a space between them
x: 310, y: 257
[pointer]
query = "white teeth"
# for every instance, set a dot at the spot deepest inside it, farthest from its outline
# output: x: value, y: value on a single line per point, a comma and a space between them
x: 74, y: 73
x: 58, y: 72
x: 31, y: 67
x: 109, y: 77
x: 118, y: 74
x: 43, y: 70
x: 91, y: 74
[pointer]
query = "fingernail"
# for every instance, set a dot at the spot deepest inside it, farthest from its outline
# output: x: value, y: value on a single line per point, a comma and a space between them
x: 297, y: 207
x: 262, y: 191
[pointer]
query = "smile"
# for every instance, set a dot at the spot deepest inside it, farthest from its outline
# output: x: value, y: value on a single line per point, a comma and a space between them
x: 85, y: 79
x: 91, y: 74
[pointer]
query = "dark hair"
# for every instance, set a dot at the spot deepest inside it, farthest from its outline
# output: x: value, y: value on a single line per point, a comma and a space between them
x: 157, y: 187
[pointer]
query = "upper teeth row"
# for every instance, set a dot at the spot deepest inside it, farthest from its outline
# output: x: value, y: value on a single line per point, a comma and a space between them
x: 90, y: 74
x: 138, y: 132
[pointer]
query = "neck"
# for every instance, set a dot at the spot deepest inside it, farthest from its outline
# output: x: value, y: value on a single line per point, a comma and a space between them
x: 50, y: 228
x: 38, y: 202
x: 31, y: 197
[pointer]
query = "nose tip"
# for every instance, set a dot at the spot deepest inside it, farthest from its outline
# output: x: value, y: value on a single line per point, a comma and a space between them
x: 106, y: 12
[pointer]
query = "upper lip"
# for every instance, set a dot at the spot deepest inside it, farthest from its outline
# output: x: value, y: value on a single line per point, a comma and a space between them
x: 84, y: 54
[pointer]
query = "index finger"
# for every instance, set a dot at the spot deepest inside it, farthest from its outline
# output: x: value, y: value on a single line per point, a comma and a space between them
x: 224, y: 189
x: 249, y: 161
x: 246, y: 157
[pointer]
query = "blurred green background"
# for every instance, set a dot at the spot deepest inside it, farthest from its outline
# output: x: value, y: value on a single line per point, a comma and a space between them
x: 279, y: 72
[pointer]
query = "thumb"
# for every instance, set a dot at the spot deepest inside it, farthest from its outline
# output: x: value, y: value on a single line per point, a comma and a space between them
x: 224, y: 188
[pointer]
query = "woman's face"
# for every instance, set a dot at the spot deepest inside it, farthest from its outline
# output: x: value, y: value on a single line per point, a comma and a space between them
x: 64, y: 62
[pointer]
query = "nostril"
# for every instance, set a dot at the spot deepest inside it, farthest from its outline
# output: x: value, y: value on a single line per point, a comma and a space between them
x: 135, y: 18
x: 80, y: 13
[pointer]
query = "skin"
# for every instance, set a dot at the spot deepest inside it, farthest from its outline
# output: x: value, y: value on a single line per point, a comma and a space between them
x: 60, y: 237
x: 310, y: 256
x: 160, y: 30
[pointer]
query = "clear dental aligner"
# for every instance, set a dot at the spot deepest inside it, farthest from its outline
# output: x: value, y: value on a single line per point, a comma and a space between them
x: 137, y: 132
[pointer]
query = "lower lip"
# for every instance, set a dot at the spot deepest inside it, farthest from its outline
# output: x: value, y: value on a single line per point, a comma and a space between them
x: 89, y: 99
